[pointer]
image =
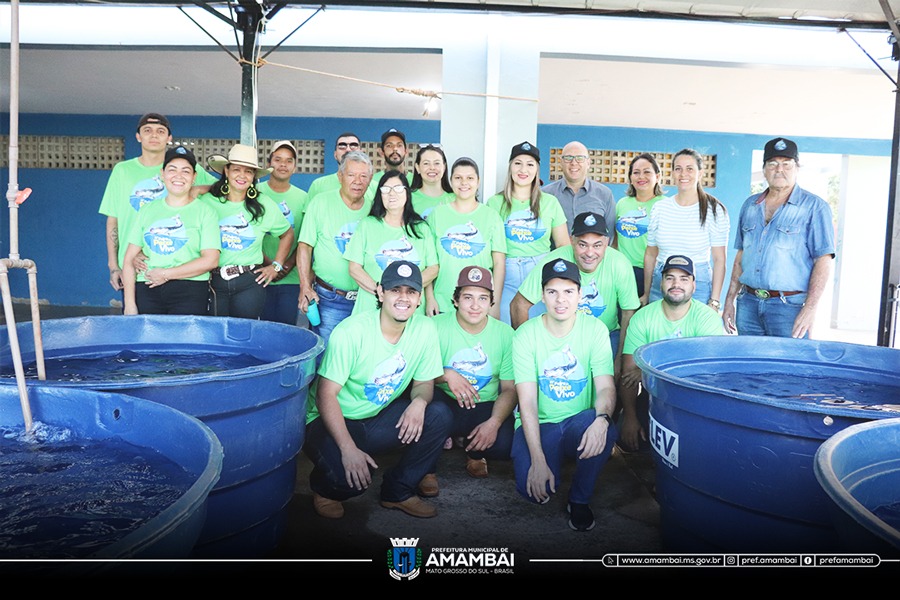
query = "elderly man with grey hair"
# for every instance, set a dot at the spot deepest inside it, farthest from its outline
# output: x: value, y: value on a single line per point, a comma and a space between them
x: 330, y: 220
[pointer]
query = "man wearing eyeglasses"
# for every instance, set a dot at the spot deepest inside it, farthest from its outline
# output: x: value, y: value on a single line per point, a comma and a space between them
x: 785, y: 246
x: 346, y: 142
x: 577, y: 193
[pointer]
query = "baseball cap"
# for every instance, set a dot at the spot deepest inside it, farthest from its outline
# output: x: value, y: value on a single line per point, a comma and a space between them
x: 401, y: 272
x: 475, y: 276
x: 562, y: 269
x: 154, y: 119
x: 283, y: 144
x: 525, y: 148
x: 392, y: 133
x: 681, y: 262
x: 179, y: 152
x: 589, y: 222
x: 781, y: 147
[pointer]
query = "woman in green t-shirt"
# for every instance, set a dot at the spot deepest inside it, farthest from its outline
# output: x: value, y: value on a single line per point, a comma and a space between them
x: 392, y: 231
x: 430, y: 184
x: 633, y: 212
x: 179, y: 238
x: 245, y: 217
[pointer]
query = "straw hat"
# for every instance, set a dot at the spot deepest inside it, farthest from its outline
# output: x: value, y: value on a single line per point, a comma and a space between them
x: 238, y: 155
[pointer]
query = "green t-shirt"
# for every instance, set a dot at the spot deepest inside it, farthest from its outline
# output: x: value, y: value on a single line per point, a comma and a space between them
x: 376, y: 178
x: 375, y: 245
x: 611, y: 286
x: 423, y: 204
x: 463, y: 239
x: 371, y: 371
x: 632, y: 222
x: 527, y: 235
x: 241, y: 237
x: 327, y: 227
x: 563, y: 368
x: 292, y: 204
x: 170, y: 236
x: 650, y: 325
x: 325, y: 183
x: 483, y: 359
x: 131, y: 185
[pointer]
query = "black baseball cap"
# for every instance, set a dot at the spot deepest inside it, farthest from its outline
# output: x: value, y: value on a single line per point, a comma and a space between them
x: 154, y: 119
x: 401, y: 272
x: 560, y: 269
x: 525, y: 148
x: 589, y: 222
x: 179, y: 152
x: 781, y: 147
x: 681, y: 262
x: 392, y: 133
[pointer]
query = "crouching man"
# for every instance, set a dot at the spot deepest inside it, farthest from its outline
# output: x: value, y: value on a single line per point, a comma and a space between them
x: 563, y: 366
x: 355, y: 409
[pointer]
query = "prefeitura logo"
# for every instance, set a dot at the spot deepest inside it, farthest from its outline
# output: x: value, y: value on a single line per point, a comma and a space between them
x: 404, y: 559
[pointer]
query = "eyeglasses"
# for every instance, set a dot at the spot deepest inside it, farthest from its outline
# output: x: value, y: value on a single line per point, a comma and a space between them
x: 579, y: 158
x: 430, y: 146
x: 387, y: 189
x: 351, y: 145
x: 787, y: 165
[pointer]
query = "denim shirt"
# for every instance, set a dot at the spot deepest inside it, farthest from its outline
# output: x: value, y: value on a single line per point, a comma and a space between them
x: 780, y: 255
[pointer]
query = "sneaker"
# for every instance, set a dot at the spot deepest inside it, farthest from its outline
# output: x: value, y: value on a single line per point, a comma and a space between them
x: 328, y: 508
x: 428, y: 487
x: 581, y: 517
x: 413, y: 506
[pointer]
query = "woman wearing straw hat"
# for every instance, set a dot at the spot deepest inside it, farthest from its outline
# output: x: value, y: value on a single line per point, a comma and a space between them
x: 245, y: 217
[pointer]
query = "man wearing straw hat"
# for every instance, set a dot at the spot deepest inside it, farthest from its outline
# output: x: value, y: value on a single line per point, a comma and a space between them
x: 356, y: 409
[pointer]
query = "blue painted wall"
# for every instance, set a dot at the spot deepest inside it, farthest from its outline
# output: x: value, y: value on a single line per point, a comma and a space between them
x: 61, y: 230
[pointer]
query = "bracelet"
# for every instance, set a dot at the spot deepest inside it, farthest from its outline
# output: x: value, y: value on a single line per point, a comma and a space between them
x: 604, y: 416
x: 277, y: 266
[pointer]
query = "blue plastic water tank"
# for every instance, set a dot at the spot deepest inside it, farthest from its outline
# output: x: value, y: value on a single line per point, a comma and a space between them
x: 859, y: 469
x: 735, y: 424
x: 101, y: 417
x: 258, y: 413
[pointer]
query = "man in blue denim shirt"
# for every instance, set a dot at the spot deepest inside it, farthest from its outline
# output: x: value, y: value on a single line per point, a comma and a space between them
x: 785, y: 246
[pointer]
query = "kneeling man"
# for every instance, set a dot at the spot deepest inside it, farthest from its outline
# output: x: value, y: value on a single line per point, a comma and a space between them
x: 355, y: 410
x: 563, y: 367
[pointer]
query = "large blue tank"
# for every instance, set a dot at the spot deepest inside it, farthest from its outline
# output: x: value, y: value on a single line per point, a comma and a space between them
x: 859, y: 469
x: 103, y: 417
x: 735, y: 422
x: 257, y: 412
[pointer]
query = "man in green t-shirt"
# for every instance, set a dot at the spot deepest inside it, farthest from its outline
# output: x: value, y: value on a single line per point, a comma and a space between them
x: 355, y: 408
x: 478, y: 383
x: 282, y: 293
x: 134, y: 183
x: 607, y: 280
x: 564, y: 378
x: 346, y: 142
x: 676, y: 315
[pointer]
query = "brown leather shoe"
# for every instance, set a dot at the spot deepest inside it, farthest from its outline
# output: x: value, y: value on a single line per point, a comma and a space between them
x: 328, y: 508
x: 413, y: 506
x: 476, y: 467
x: 428, y: 487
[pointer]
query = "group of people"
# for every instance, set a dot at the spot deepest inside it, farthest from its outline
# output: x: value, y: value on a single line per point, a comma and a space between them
x: 507, y: 325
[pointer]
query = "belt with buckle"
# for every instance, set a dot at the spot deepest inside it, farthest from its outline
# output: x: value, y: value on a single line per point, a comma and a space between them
x: 348, y: 295
x: 766, y: 294
x: 229, y: 272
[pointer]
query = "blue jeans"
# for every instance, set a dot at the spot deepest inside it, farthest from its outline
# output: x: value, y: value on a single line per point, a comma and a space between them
x: 466, y: 419
x: 517, y: 269
x: 560, y: 441
x: 333, y: 308
x: 774, y: 316
x: 702, y: 275
x: 281, y: 303
x: 239, y: 297
x: 373, y: 436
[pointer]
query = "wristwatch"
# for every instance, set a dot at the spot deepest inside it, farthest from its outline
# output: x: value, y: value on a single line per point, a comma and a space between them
x: 277, y: 266
x: 715, y: 303
x: 604, y: 416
